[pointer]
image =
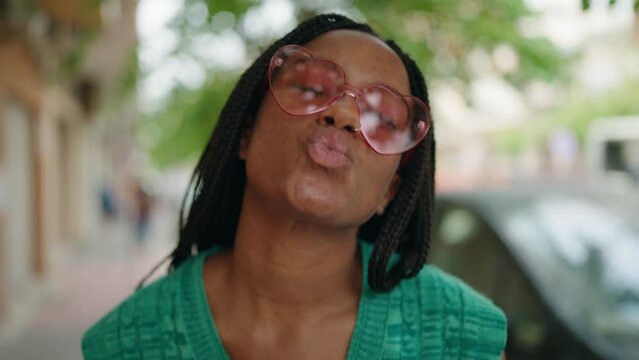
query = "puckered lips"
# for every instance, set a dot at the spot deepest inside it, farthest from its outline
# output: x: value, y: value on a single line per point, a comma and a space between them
x: 329, y: 147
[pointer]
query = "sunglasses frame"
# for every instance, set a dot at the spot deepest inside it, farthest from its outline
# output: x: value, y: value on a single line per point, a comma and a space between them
x: 356, y: 93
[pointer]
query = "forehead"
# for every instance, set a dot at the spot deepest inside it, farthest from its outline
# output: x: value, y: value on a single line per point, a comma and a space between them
x: 364, y: 58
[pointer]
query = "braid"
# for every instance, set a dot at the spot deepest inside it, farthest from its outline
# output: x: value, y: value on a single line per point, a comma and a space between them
x: 406, y: 228
x: 216, y: 187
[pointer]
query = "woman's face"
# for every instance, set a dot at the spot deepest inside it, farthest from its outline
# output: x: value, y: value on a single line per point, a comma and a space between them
x: 312, y: 167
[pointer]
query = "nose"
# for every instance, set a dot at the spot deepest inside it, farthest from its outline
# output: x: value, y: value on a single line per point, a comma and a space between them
x: 343, y: 114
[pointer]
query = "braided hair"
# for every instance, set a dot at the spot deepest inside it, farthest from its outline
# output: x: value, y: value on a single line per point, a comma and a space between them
x: 217, y: 185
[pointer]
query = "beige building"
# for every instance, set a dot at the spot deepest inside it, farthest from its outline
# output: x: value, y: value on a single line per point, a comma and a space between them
x: 53, y: 85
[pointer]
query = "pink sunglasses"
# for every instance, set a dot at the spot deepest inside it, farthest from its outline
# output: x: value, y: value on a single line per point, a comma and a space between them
x: 301, y: 84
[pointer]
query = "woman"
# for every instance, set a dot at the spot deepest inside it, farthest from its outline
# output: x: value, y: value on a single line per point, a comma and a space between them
x: 309, y: 222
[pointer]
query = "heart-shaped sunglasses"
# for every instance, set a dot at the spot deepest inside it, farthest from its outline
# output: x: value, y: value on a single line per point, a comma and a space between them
x: 301, y: 84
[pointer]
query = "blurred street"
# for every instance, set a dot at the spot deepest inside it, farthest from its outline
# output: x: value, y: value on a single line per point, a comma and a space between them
x: 85, y: 282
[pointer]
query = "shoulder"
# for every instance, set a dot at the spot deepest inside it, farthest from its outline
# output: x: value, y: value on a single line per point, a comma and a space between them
x: 138, y: 325
x: 456, y: 294
x: 435, y: 315
x: 468, y: 321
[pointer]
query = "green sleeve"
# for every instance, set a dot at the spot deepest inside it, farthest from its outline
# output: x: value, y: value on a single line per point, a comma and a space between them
x: 472, y: 326
x: 144, y: 326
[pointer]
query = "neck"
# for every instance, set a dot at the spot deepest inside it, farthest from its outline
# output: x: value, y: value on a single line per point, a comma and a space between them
x: 279, y: 263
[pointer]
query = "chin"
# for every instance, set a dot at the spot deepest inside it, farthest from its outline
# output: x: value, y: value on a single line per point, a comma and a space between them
x: 317, y: 198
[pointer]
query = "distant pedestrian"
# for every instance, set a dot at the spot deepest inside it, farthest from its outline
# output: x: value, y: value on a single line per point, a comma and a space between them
x: 108, y: 202
x: 142, y: 203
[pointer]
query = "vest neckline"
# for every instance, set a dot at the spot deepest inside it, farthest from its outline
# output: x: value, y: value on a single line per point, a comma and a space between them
x: 366, y: 341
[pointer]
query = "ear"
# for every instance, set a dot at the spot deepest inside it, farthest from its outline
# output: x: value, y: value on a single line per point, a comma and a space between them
x: 244, y: 144
x: 393, y: 187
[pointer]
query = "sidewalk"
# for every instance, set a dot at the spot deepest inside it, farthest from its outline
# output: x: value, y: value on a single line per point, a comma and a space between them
x: 89, y: 282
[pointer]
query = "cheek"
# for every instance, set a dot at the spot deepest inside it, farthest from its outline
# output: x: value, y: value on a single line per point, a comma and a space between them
x: 271, y: 131
x: 374, y: 180
x: 271, y: 143
x: 273, y: 149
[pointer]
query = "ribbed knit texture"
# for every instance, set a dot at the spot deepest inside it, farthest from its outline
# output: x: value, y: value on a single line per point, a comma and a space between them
x: 431, y: 316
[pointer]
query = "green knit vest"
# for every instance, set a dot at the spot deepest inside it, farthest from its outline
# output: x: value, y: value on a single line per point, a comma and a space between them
x: 430, y: 316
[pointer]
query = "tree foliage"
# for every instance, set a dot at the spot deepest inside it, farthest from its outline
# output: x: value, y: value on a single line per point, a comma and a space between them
x: 442, y: 34
x: 179, y: 132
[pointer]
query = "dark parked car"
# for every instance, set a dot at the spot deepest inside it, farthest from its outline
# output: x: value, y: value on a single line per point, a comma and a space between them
x: 563, y: 263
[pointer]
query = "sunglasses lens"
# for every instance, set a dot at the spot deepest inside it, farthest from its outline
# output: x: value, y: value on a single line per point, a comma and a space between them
x: 390, y: 123
x: 303, y: 85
